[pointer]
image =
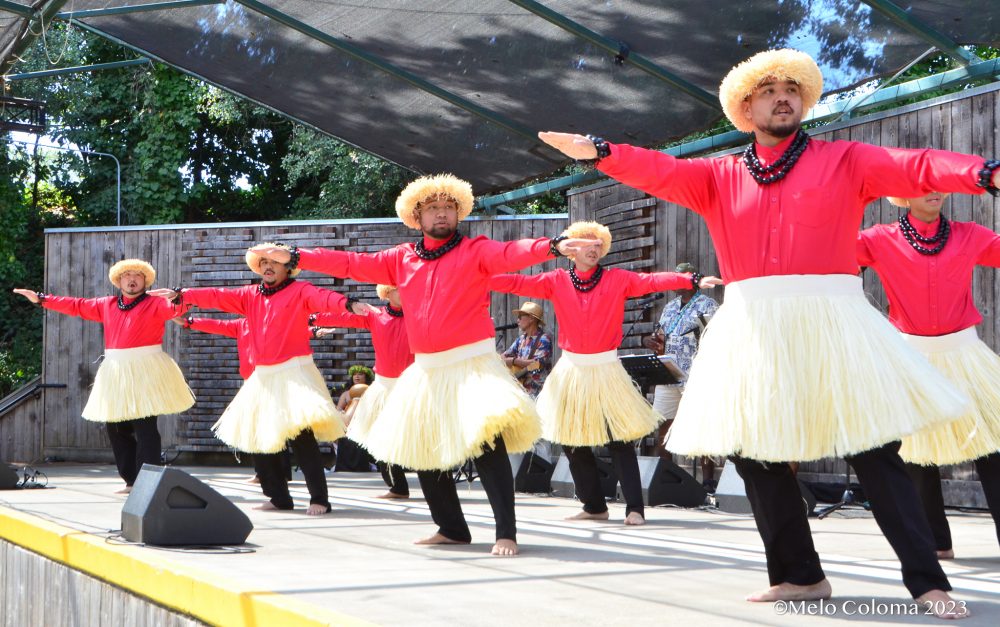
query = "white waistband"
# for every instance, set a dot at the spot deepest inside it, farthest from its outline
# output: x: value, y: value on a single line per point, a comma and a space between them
x: 455, y: 355
x: 385, y: 380
x: 794, y: 285
x: 288, y: 363
x: 590, y: 359
x: 942, y: 343
x: 132, y: 353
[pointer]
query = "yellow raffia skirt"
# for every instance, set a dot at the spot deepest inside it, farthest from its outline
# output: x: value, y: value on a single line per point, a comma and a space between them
x: 275, y: 404
x: 369, y: 407
x: 589, y: 400
x: 975, y: 369
x: 801, y: 367
x: 135, y: 383
x: 447, y: 405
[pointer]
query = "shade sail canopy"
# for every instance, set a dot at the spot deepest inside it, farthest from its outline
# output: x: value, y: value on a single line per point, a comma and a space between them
x: 463, y: 85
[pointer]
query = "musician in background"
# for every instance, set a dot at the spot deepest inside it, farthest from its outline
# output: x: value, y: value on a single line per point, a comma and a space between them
x: 530, y: 356
x: 677, y: 335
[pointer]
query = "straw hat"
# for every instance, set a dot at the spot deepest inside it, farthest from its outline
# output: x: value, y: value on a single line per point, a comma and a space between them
x: 531, y: 309
x: 784, y: 65
x: 590, y: 230
x: 382, y: 291
x: 253, y: 259
x: 132, y: 265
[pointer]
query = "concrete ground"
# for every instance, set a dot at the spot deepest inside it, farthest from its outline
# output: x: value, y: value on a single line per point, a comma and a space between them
x: 687, y: 565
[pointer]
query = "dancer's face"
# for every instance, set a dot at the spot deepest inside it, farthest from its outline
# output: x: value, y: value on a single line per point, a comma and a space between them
x: 439, y: 218
x: 272, y: 272
x: 132, y: 283
x: 774, y: 109
x: 588, y: 256
x: 928, y: 208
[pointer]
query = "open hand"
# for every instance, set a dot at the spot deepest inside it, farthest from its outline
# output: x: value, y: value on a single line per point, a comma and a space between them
x: 570, y: 144
x: 709, y: 282
x: 274, y: 253
x: 29, y: 294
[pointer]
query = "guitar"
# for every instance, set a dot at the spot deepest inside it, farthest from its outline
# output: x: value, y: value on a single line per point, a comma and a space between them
x: 521, y: 371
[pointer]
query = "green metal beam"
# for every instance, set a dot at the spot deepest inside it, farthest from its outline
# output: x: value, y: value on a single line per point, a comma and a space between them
x: 13, y: 7
x: 819, y: 113
x: 79, y: 68
x: 136, y: 8
x: 922, y: 30
x: 615, y: 47
x: 40, y: 20
x: 393, y: 70
x: 229, y: 90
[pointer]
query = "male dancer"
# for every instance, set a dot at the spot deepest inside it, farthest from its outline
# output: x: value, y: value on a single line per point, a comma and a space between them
x: 457, y: 401
x: 392, y: 357
x: 285, y: 398
x: 589, y: 400
x: 795, y: 332
x: 925, y: 262
x: 137, y: 381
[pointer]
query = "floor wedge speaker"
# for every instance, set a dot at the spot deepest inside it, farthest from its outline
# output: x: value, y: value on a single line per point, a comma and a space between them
x: 666, y: 483
x: 8, y: 477
x: 534, y: 475
x: 168, y: 507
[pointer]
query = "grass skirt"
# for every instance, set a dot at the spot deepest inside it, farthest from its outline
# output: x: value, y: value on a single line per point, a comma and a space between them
x: 975, y: 369
x: 447, y: 405
x: 275, y: 404
x: 589, y: 400
x: 801, y: 367
x: 369, y: 407
x: 135, y: 383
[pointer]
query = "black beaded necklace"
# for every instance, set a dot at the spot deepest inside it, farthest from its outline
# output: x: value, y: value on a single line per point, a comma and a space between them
x: 428, y: 255
x: 271, y: 291
x: 586, y: 285
x: 395, y: 313
x: 917, y: 241
x: 767, y: 174
x: 138, y: 299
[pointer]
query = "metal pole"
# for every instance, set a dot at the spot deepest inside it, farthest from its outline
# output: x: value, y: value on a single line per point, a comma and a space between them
x: 118, y: 169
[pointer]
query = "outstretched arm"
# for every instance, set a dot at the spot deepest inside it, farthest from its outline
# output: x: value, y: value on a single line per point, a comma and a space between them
x: 223, y: 299
x: 367, y: 267
x: 86, y: 308
x: 640, y: 283
x: 909, y: 173
x: 531, y: 285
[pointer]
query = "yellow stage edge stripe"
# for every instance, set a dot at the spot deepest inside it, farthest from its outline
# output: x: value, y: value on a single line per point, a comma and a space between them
x: 176, y: 586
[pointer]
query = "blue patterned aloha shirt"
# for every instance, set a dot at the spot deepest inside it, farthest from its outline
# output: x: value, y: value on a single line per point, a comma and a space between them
x: 678, y: 324
x: 521, y: 348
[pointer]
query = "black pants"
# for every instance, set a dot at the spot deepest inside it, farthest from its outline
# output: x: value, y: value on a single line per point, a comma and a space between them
x: 784, y: 526
x: 394, y: 477
x: 271, y: 472
x: 498, y: 483
x: 928, y: 482
x: 134, y: 443
x: 583, y: 467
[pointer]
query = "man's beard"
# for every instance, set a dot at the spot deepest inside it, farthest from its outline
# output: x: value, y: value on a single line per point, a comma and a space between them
x: 270, y: 280
x: 783, y: 129
x: 440, y: 232
x: 131, y: 294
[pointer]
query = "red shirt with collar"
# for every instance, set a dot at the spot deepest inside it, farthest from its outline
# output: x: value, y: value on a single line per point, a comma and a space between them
x: 929, y: 294
x: 140, y: 326
x: 589, y: 322
x: 279, y: 323
x: 236, y: 328
x: 447, y: 300
x: 807, y: 222
x: 392, y: 349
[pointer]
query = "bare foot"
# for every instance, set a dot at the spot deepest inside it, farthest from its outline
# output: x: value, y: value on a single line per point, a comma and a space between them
x: 588, y: 516
x: 315, y: 509
x: 792, y: 592
x: 505, y: 548
x: 254, y: 480
x: 948, y: 554
x: 635, y: 518
x: 392, y: 495
x: 943, y: 606
x: 437, y: 538
x: 126, y: 490
x: 266, y: 506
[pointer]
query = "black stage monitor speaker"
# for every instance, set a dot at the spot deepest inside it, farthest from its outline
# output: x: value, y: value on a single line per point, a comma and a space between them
x: 562, y: 479
x: 731, y: 494
x: 534, y: 475
x: 8, y: 477
x: 666, y: 483
x: 168, y: 507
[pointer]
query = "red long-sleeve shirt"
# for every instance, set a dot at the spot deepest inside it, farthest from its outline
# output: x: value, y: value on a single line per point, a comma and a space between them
x: 140, y: 326
x: 589, y: 322
x: 392, y: 348
x: 236, y: 328
x: 447, y: 300
x: 805, y: 223
x: 279, y: 324
x: 929, y: 294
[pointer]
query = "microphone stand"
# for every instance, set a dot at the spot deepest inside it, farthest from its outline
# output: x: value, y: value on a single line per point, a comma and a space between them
x: 639, y: 313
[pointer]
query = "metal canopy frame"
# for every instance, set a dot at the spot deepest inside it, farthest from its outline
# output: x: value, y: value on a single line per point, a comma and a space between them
x: 974, y: 68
